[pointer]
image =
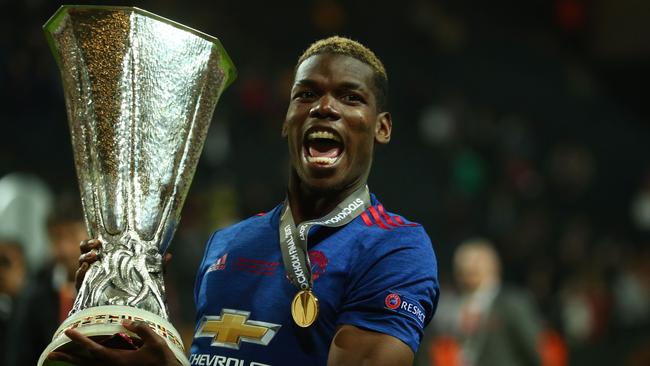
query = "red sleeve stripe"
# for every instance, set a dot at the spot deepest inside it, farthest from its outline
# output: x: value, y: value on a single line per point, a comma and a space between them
x: 366, y: 219
x: 375, y: 216
x: 401, y: 222
x: 385, y: 216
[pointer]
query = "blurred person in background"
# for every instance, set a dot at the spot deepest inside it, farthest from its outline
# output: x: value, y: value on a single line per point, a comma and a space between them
x: 486, y: 323
x: 25, y: 202
x: 12, y: 276
x: 49, y: 296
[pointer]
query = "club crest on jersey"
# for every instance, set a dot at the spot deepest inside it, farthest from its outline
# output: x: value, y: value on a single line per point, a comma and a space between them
x: 403, y: 305
x: 318, y: 262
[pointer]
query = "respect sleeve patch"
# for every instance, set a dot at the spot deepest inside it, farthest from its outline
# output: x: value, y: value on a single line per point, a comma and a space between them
x: 397, y: 303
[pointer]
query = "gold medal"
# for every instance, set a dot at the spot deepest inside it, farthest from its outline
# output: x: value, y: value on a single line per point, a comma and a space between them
x: 304, y: 308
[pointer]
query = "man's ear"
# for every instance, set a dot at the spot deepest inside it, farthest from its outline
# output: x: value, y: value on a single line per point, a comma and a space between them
x: 284, y: 129
x: 383, y: 128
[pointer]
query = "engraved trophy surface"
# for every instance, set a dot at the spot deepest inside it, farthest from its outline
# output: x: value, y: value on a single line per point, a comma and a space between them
x: 140, y: 91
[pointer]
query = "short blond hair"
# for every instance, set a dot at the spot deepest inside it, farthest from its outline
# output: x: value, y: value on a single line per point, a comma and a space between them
x: 345, y: 46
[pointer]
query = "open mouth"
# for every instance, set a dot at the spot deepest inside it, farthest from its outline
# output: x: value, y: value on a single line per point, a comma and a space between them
x: 322, y: 147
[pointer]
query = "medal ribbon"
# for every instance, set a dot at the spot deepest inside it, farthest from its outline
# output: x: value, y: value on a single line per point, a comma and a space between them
x: 293, y: 240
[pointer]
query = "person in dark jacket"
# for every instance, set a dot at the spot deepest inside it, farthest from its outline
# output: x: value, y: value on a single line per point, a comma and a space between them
x: 46, y: 300
x: 486, y: 323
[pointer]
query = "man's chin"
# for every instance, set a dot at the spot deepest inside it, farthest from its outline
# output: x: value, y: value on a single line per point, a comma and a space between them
x: 322, y: 186
x: 322, y: 183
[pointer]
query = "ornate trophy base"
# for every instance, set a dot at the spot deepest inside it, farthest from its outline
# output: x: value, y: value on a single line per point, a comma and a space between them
x: 104, y: 323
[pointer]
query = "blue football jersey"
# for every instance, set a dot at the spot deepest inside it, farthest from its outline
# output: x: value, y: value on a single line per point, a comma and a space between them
x: 378, y: 272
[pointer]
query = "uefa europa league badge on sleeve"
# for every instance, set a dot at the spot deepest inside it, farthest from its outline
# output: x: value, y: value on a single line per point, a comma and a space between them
x: 140, y: 91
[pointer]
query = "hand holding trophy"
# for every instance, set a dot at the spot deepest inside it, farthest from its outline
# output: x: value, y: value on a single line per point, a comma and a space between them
x: 140, y: 91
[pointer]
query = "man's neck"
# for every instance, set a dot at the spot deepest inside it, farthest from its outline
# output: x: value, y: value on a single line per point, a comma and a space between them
x: 307, y: 204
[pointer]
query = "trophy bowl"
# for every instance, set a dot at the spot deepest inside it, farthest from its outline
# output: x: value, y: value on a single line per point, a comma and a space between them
x: 140, y: 91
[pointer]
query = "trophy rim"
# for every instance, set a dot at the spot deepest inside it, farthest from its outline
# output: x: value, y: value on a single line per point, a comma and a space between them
x: 53, y: 22
x: 102, y: 328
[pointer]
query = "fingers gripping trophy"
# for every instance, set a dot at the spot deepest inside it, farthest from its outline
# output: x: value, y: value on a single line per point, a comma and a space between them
x: 140, y: 91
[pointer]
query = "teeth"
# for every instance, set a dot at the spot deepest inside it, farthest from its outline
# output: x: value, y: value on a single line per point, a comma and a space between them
x: 321, y: 160
x: 323, y: 135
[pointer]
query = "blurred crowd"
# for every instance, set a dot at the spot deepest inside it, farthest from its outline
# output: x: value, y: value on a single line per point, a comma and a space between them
x: 520, y: 122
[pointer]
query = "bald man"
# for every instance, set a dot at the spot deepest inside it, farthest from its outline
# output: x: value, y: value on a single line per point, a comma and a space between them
x: 487, y: 323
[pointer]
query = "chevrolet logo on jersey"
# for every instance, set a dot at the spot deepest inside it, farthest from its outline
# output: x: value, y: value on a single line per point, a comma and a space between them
x: 233, y: 327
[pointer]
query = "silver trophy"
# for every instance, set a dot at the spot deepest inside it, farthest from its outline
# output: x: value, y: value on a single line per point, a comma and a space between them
x: 140, y: 91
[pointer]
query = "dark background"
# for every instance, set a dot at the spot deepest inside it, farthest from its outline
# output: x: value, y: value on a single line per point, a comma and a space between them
x: 526, y: 122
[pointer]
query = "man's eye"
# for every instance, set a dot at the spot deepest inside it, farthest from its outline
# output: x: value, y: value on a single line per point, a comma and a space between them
x: 306, y: 94
x: 352, y: 98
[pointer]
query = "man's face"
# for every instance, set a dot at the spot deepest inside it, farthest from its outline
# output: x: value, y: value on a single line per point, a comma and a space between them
x: 332, y: 122
x: 12, y: 268
x: 475, y: 267
x: 65, y: 238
